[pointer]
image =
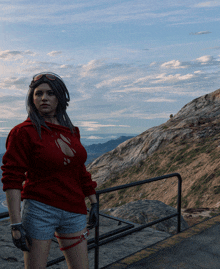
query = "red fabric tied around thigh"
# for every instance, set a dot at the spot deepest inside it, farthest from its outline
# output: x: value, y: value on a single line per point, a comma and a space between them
x: 80, y: 237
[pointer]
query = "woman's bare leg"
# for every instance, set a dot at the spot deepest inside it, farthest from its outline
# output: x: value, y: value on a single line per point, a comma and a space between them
x: 37, y: 257
x: 77, y: 256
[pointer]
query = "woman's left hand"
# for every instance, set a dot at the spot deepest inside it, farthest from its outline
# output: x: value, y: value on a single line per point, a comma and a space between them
x: 93, y: 215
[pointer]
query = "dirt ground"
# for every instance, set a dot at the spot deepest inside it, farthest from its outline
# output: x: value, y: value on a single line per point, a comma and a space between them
x: 195, y: 215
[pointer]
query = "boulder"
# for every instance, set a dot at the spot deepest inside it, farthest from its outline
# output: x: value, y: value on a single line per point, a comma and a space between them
x: 145, y: 211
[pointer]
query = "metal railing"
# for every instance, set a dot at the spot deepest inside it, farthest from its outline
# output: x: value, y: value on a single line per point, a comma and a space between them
x: 178, y: 214
x: 100, y: 240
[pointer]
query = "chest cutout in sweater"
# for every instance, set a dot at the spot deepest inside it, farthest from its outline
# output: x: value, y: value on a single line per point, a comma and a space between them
x: 64, y: 144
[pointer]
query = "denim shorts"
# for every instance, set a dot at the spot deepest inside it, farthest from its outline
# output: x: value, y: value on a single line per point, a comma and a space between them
x: 40, y: 221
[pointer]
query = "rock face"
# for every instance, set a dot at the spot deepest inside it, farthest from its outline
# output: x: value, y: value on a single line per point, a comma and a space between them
x: 197, y: 119
x: 145, y: 211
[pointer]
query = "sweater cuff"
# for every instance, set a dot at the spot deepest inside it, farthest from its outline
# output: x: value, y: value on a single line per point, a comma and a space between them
x: 12, y: 186
x: 89, y: 192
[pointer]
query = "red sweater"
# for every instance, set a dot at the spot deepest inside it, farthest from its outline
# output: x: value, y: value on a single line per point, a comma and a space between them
x: 53, y: 168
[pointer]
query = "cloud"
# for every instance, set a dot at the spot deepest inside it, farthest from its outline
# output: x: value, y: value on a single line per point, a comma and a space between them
x: 208, y: 4
x: 140, y: 89
x: 54, y: 53
x: 201, y: 33
x: 198, y: 72
x: 9, y: 55
x: 112, y: 81
x: 174, y: 64
x: 205, y: 59
x: 66, y: 66
x: 94, y: 126
x: 107, y: 94
x: 172, y: 78
x: 94, y: 137
x: 159, y: 100
x: 15, y: 83
x: 142, y: 80
x: 110, y: 114
x: 150, y: 116
x: 90, y: 67
x: 15, y: 110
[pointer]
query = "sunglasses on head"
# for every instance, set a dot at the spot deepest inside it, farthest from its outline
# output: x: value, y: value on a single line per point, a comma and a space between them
x: 50, y: 76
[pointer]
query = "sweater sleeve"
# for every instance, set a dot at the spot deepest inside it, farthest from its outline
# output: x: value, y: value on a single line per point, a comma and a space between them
x: 16, y: 159
x: 88, y: 186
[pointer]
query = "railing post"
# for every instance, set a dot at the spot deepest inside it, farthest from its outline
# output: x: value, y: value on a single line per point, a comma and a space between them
x: 96, y: 265
x: 179, y: 203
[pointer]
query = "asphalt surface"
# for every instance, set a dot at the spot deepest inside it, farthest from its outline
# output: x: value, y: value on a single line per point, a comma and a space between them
x: 195, y: 248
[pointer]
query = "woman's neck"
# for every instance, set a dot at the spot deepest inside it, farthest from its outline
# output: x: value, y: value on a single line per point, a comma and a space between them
x: 51, y: 119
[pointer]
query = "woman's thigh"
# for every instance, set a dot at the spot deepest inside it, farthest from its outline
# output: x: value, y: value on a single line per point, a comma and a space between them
x: 77, y: 256
x: 36, y: 258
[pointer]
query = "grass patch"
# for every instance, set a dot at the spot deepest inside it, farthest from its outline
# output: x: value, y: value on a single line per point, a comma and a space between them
x: 162, y: 171
x: 216, y: 189
x: 184, y: 202
x: 137, y: 188
x: 198, y: 165
x: 214, y: 156
x: 122, y: 191
x: 217, y: 173
x: 174, y: 201
x: 206, y: 178
x: 195, y: 188
x: 109, y: 183
x: 136, y: 169
x: 153, y: 168
x: 107, y: 197
x: 198, y: 203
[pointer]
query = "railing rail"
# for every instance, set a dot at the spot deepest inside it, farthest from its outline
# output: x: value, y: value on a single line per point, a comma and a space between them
x: 121, y: 232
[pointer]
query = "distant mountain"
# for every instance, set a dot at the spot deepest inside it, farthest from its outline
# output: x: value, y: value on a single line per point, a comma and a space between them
x: 96, y: 150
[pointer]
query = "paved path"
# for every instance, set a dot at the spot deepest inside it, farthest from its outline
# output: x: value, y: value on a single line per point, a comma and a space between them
x: 195, y: 248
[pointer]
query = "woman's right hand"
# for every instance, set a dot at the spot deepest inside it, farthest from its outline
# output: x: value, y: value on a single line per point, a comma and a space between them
x: 20, y: 239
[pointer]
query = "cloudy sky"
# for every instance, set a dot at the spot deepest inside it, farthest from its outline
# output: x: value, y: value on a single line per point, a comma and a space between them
x: 128, y: 64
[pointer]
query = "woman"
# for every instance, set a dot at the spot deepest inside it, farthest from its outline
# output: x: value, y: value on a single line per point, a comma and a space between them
x: 45, y: 152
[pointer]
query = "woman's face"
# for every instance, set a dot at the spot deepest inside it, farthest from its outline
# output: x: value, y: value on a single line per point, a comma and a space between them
x: 45, y: 100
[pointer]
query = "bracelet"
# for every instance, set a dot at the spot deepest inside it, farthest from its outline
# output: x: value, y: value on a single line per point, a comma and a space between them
x: 15, y: 224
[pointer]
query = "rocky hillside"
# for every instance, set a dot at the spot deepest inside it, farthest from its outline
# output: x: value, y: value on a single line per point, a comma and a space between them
x: 188, y: 143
